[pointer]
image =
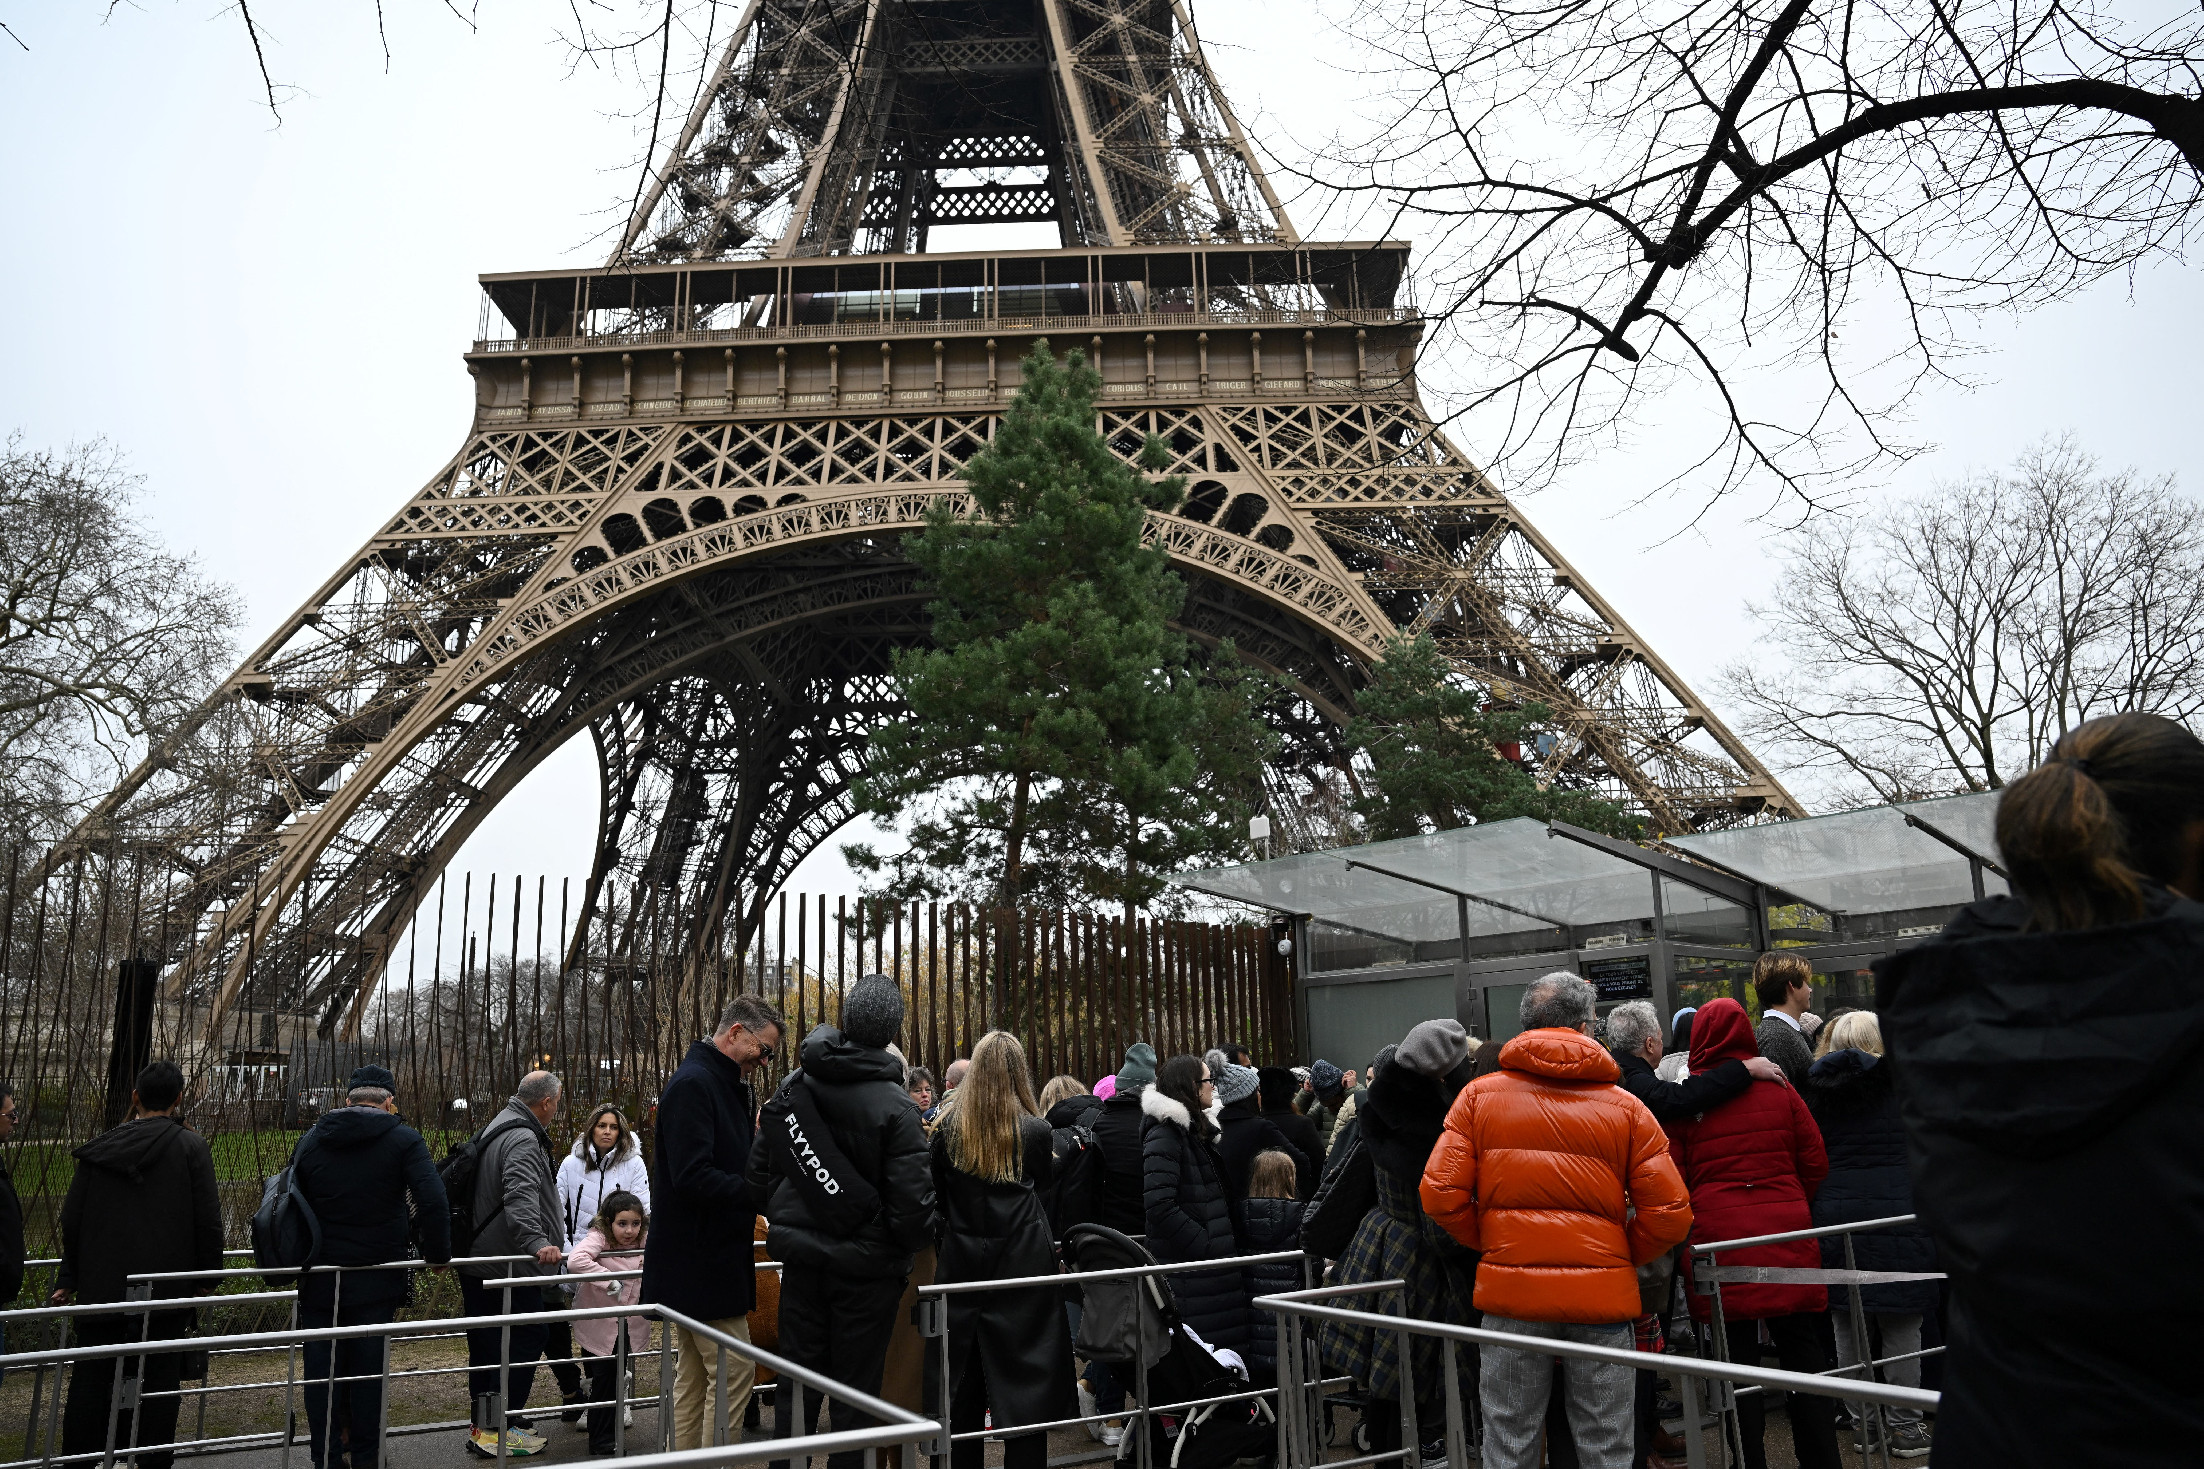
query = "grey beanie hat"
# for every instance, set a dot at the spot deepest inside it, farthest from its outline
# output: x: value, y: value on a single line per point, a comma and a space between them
x: 1140, y: 1067
x: 1235, y: 1083
x: 872, y: 1014
x: 1434, y: 1048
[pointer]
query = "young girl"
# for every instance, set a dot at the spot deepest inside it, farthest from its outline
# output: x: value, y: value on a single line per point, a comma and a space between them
x: 1270, y: 1221
x: 621, y: 1225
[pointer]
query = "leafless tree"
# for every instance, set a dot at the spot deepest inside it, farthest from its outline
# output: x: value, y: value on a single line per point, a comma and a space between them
x: 106, y: 639
x: 1944, y: 643
x: 1633, y: 197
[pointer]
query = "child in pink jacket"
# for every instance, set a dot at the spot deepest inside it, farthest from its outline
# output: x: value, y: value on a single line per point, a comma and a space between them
x: 620, y: 1226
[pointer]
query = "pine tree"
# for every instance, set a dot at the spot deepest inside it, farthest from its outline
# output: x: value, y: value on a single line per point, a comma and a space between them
x: 1055, y: 691
x: 1436, y: 758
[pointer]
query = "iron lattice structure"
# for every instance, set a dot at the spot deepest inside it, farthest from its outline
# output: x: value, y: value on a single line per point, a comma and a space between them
x: 677, y: 521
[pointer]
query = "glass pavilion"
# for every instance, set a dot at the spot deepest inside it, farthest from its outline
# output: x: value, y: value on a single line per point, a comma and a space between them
x: 1460, y: 922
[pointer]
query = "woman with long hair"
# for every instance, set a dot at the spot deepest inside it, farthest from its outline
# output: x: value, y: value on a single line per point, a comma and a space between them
x: 618, y: 1231
x: 605, y: 1160
x: 1009, y: 1355
x: 1188, y: 1207
x: 2048, y: 1049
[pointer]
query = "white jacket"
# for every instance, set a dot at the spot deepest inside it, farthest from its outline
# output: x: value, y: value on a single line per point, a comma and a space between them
x: 583, y: 1188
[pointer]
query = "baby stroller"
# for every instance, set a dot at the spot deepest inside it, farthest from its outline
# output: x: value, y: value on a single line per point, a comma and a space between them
x: 1134, y: 1322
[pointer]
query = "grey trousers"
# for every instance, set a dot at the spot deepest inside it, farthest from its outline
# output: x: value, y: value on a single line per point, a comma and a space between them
x: 1900, y: 1335
x: 1514, y: 1386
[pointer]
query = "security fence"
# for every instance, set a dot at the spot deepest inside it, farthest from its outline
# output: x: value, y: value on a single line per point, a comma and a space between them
x: 492, y: 977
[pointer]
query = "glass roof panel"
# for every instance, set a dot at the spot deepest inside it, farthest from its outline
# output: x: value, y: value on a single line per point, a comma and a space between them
x: 1867, y: 861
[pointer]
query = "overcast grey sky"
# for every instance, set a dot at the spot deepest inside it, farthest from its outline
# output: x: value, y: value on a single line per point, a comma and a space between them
x: 269, y: 321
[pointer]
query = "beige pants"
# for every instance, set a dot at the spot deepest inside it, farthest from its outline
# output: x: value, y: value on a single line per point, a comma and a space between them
x: 696, y: 1384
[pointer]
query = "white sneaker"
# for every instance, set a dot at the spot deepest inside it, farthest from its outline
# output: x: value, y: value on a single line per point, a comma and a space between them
x: 1112, y: 1435
x: 1087, y: 1410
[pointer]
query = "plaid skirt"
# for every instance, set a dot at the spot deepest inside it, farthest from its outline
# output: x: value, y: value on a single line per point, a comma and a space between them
x: 1397, y: 1243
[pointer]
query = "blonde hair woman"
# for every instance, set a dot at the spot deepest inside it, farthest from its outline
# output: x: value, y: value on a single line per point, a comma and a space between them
x: 1009, y: 1354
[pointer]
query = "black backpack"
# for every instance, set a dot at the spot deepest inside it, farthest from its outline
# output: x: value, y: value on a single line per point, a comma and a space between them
x: 1348, y: 1192
x: 1074, y: 1194
x: 459, y: 1170
x: 286, y: 1230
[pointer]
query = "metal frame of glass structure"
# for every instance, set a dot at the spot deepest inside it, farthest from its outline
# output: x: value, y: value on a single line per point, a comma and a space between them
x: 1489, y: 908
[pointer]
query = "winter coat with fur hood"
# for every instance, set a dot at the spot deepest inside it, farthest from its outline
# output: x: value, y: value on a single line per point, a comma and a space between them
x: 1189, y: 1217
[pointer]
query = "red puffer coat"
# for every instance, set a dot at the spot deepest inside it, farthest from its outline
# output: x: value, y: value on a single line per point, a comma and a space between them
x: 1753, y: 1165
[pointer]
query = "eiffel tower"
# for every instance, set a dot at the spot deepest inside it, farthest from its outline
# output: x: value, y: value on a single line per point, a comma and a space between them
x: 676, y: 521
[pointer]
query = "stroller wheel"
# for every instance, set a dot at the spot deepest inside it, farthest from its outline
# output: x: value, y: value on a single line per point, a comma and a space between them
x: 1363, y: 1445
x: 1331, y: 1424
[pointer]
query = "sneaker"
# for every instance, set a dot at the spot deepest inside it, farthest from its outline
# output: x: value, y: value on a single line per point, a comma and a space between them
x: 572, y: 1411
x: 1909, y: 1441
x: 536, y: 1442
x: 1112, y: 1434
x: 482, y: 1444
x: 1433, y: 1454
x: 1087, y: 1409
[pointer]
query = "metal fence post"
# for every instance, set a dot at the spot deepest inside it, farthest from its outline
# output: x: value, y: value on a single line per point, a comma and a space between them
x: 1457, y: 1428
x: 1411, y: 1431
x: 665, y: 1386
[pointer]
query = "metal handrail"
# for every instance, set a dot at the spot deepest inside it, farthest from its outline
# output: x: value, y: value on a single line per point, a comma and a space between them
x: 1823, y: 1232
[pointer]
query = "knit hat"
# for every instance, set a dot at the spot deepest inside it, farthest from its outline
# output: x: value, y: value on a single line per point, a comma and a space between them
x: 1214, y: 1059
x: 1235, y: 1083
x: 1325, y: 1077
x: 872, y: 1014
x: 373, y: 1075
x: 1139, y: 1069
x: 1434, y: 1048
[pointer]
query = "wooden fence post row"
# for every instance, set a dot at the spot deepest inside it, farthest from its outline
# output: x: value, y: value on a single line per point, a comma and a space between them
x: 606, y: 984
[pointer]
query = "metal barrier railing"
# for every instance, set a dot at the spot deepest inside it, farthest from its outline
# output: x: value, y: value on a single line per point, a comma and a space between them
x: 1873, y: 1427
x: 897, y: 1426
x: 1297, y: 1438
x: 127, y: 1390
x: 933, y: 1319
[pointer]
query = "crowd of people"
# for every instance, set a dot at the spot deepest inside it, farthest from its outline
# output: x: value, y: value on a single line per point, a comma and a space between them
x: 2021, y: 1086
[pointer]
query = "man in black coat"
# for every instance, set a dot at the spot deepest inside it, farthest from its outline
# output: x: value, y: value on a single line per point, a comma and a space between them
x: 142, y: 1202
x: 1245, y: 1131
x: 841, y: 1279
x: 1634, y: 1036
x: 705, y: 1212
x: 357, y: 1167
x: 1276, y: 1086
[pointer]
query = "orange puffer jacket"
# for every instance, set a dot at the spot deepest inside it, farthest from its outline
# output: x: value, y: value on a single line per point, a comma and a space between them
x: 1540, y: 1167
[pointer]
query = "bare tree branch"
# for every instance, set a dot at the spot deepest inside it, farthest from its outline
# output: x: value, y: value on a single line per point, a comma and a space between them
x: 1721, y: 201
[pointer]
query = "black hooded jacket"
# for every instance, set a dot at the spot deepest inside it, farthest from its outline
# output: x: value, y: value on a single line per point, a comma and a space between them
x: 143, y: 1201
x: 1855, y: 1103
x: 1117, y: 1125
x: 356, y: 1167
x: 1245, y: 1133
x: 2051, y: 1085
x: 859, y: 1093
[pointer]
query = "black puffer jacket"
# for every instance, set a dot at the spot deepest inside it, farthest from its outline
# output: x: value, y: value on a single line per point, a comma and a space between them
x: 1189, y: 1217
x: 859, y: 1093
x: 1118, y: 1125
x: 1245, y: 1133
x: 2050, y: 1086
x: 356, y: 1166
x: 1266, y: 1227
x: 1856, y: 1108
